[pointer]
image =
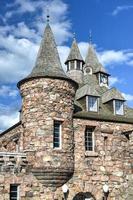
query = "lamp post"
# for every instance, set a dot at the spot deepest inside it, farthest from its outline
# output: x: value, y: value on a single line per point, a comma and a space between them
x: 65, y: 190
x: 105, y: 191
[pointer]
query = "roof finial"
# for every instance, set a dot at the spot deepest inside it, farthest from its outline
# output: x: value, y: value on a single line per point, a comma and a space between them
x: 74, y: 36
x: 48, y: 16
x: 90, y: 37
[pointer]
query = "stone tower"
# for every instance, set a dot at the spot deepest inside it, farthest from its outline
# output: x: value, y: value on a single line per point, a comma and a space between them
x: 47, y: 110
x: 75, y: 63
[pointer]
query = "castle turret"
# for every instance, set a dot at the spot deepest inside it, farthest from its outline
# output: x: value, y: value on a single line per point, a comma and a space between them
x: 93, y: 66
x: 47, y: 109
x: 75, y: 63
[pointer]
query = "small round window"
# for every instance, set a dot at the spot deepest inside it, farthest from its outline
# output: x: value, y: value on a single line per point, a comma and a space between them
x: 88, y: 70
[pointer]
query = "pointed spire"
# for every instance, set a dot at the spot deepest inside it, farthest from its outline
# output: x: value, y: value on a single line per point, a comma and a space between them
x: 92, y: 59
x: 74, y: 52
x: 48, y: 61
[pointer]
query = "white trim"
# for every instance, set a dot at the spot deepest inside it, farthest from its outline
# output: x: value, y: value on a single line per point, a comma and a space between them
x: 87, y: 99
x: 18, y: 192
x: 69, y: 66
x: 81, y: 66
x: 75, y: 64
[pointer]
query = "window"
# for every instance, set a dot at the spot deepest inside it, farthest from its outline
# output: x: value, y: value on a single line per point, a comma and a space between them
x: 72, y: 64
x: 78, y: 65
x: 87, y: 70
x: 67, y: 66
x: 118, y: 107
x: 14, y: 192
x: 57, y: 134
x: 89, y: 139
x: 92, y: 103
x: 103, y: 79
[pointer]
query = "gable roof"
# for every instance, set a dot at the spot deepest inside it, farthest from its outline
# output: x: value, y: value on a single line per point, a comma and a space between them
x: 86, y: 90
x: 111, y: 94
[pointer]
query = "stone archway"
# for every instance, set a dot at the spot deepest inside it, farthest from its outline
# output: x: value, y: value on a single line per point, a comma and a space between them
x: 84, y: 196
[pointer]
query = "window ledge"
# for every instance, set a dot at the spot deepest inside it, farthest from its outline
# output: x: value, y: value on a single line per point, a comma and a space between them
x: 91, y: 154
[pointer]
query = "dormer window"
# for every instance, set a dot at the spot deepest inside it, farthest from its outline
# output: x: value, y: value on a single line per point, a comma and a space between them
x: 103, y: 79
x: 92, y: 103
x: 118, y: 107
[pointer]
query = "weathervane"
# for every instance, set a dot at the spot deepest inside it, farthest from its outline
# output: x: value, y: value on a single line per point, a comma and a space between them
x: 90, y: 37
x: 48, y: 16
x: 74, y: 35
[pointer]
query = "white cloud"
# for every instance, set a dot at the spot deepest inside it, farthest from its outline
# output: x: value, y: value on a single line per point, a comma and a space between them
x: 8, y: 91
x: 119, y: 9
x: 128, y: 97
x: 63, y: 52
x: 9, y: 120
x: 16, y: 59
x: 113, y: 80
x: 8, y: 116
x: 110, y: 57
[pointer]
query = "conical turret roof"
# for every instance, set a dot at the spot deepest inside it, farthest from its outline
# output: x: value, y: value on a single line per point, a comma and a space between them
x: 92, y: 60
x: 48, y: 62
x: 74, y: 52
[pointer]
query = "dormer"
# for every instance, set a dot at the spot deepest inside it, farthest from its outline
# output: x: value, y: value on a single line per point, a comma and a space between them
x: 75, y: 63
x: 89, y: 98
x: 102, y: 76
x: 115, y: 101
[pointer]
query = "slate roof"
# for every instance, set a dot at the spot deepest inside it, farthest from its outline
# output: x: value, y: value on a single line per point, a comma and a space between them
x: 74, y: 52
x: 87, y: 90
x: 92, y: 60
x: 90, y: 86
x: 111, y: 94
x: 48, y: 62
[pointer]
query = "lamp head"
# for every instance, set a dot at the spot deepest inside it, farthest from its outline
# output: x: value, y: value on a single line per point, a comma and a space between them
x: 65, y: 188
x: 105, y: 188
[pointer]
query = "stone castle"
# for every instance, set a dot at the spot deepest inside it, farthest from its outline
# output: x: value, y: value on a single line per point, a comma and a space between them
x: 74, y: 140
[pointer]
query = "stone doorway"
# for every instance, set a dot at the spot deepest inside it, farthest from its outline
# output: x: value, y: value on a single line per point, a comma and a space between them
x: 84, y: 196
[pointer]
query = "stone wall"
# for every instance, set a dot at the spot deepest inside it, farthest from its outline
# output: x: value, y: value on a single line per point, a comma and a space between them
x: 11, y: 138
x: 110, y: 162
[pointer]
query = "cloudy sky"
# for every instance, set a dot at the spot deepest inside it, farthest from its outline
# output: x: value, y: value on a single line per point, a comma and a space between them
x: 21, y: 26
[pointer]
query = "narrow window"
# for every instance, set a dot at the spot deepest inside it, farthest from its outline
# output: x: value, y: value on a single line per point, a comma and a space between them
x: 92, y: 103
x: 78, y: 65
x: 118, y: 107
x: 72, y: 64
x: 57, y: 134
x: 67, y: 66
x: 89, y: 139
x: 14, y: 192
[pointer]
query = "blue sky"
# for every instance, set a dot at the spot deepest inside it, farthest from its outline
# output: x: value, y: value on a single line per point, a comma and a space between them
x: 21, y: 26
